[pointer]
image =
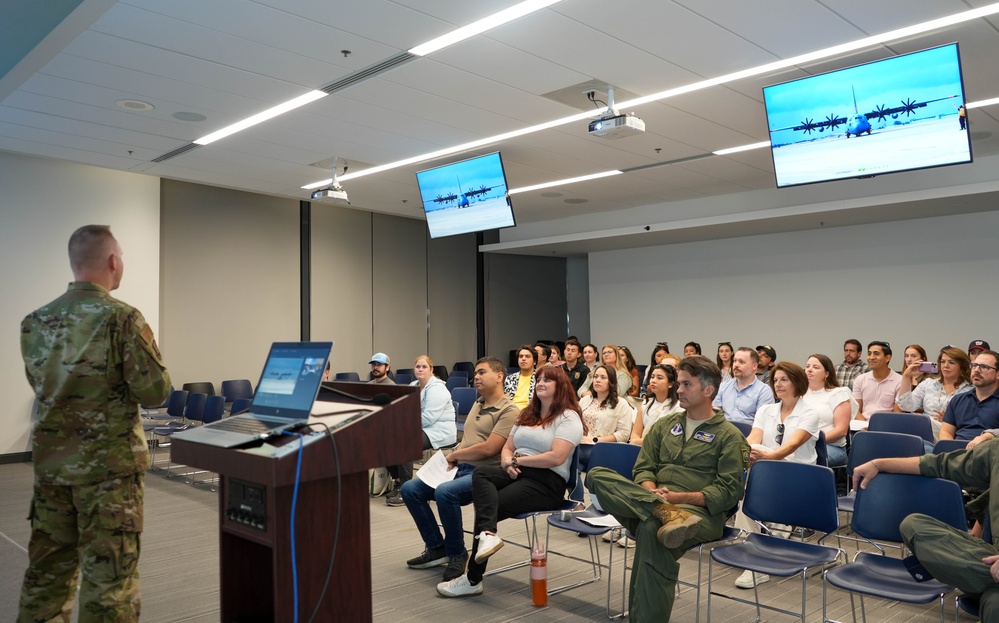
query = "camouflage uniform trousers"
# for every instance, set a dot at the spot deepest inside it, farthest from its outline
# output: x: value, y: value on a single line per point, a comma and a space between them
x: 90, y: 530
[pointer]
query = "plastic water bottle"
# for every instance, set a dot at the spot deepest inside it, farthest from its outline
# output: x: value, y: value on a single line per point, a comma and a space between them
x: 539, y: 575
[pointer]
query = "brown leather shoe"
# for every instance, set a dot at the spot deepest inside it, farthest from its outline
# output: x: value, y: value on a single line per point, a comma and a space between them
x: 678, y: 524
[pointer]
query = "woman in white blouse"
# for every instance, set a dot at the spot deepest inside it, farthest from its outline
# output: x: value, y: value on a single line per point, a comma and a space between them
x: 934, y: 394
x: 606, y: 415
x: 785, y: 430
x: 660, y: 400
x: 834, y: 405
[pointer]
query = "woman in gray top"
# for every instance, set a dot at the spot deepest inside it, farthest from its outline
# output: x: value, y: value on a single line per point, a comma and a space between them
x: 534, y: 467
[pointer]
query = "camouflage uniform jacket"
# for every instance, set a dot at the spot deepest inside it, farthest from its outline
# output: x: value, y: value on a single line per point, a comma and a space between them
x: 91, y: 361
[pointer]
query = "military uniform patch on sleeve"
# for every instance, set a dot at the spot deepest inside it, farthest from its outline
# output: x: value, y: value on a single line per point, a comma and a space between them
x: 677, y: 430
x: 149, y: 343
x: 745, y: 456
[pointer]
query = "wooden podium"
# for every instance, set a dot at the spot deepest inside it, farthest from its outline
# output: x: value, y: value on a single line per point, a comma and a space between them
x: 255, y: 504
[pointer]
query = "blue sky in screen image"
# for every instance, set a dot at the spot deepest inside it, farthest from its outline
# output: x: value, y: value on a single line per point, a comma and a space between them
x: 470, y: 174
x: 920, y: 76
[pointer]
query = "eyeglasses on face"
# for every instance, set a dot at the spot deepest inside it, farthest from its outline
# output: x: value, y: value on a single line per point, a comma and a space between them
x: 982, y: 367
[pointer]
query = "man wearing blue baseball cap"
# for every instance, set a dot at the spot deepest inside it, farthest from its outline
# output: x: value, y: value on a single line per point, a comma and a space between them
x: 380, y: 366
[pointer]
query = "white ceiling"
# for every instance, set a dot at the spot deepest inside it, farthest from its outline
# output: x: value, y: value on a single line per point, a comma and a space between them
x: 228, y: 59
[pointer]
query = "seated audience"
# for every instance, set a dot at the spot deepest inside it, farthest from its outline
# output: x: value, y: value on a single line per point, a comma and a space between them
x: 974, y: 415
x: 544, y: 354
x: 556, y: 357
x: 606, y: 415
x: 933, y: 394
x: 532, y: 475
x: 574, y: 366
x: 741, y: 397
x: 520, y: 387
x: 660, y: 351
x: 381, y: 369
x: 833, y: 404
x: 876, y: 390
x: 661, y: 400
x: 609, y: 356
x: 785, y: 431
x: 724, y: 360
x: 590, y: 356
x: 691, y: 348
x: 437, y: 418
x: 977, y: 346
x: 628, y: 363
x: 486, y: 430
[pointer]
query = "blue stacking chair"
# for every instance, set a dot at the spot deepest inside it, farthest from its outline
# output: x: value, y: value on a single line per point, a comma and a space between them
x: 796, y: 494
x: 949, y: 445
x: 867, y: 446
x: 621, y: 458
x: 745, y: 427
x: 352, y: 377
x: 403, y: 379
x: 878, y: 512
x: 464, y: 366
x: 456, y: 382
x: 193, y: 412
x: 236, y: 389
x: 465, y: 397
x: 909, y: 423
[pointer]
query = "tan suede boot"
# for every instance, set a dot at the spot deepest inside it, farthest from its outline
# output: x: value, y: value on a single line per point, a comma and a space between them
x: 678, y: 524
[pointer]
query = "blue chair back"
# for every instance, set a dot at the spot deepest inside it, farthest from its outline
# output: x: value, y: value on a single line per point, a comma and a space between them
x: 202, y: 387
x: 821, y: 453
x: 408, y: 371
x: 465, y: 366
x: 744, y: 427
x: 909, y: 423
x: 441, y: 373
x: 797, y: 494
x: 456, y: 382
x: 195, y: 406
x: 867, y: 446
x: 465, y: 397
x: 177, y: 403
x: 619, y: 457
x: 403, y: 379
x: 214, y: 408
x: 353, y: 377
x: 949, y: 445
x: 236, y: 389
x: 240, y: 406
x: 890, y: 498
x: 463, y: 373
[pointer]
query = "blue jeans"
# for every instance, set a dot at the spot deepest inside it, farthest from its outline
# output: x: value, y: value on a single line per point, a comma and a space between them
x: 837, y: 455
x: 583, y: 454
x: 450, y: 497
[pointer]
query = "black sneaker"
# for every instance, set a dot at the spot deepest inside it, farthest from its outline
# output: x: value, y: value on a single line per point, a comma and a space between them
x: 395, y: 499
x: 429, y: 558
x: 455, y: 567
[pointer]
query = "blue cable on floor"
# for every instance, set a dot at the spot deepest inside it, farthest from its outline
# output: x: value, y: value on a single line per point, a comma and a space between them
x: 294, y: 506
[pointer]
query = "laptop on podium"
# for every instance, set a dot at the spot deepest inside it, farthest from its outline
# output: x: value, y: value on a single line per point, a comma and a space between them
x: 287, y: 389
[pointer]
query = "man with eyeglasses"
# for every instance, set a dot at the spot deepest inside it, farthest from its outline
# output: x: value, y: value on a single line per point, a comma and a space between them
x: 974, y: 416
x: 875, y: 391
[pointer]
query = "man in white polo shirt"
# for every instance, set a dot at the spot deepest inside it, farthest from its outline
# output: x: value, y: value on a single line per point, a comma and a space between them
x: 875, y: 391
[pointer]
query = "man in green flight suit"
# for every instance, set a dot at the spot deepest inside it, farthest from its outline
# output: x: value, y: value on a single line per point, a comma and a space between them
x: 91, y: 361
x: 688, y: 475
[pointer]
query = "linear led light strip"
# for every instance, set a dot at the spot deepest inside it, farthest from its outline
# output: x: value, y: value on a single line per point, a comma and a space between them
x: 802, y: 59
x: 460, y: 34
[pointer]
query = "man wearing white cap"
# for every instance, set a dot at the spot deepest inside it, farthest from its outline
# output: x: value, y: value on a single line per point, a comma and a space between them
x: 380, y: 366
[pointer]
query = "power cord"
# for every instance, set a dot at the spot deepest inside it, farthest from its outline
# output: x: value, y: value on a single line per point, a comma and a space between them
x: 592, y: 96
x: 336, y: 528
x: 294, y: 507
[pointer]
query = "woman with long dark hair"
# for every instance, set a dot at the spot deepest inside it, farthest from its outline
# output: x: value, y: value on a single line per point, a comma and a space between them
x: 533, y: 470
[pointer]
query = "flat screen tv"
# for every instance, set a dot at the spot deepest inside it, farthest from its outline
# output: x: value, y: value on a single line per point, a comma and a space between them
x: 896, y: 114
x: 466, y: 196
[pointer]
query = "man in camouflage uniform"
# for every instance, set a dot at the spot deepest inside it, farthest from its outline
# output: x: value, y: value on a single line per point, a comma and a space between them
x: 91, y: 361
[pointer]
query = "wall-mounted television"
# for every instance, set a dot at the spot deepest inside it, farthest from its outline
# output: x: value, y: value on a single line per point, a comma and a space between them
x: 466, y: 196
x: 896, y: 114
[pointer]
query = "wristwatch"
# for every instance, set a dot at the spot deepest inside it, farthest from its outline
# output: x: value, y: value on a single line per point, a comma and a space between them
x: 596, y: 440
x: 513, y: 462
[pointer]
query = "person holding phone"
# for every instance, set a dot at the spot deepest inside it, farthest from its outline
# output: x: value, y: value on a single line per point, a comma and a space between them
x: 934, y: 393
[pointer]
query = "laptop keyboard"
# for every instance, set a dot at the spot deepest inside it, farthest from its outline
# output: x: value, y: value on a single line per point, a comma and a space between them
x: 243, y: 425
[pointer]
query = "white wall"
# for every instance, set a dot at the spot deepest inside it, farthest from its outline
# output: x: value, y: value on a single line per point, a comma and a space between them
x: 42, y: 202
x: 928, y: 281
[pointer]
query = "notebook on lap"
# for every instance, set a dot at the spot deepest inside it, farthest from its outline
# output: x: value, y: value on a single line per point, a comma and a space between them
x: 287, y: 388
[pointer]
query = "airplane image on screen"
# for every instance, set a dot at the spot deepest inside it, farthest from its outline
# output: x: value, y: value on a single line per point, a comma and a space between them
x: 462, y: 198
x: 859, y: 123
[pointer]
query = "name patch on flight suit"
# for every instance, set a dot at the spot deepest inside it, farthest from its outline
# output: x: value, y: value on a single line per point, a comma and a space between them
x: 677, y: 430
x: 703, y: 436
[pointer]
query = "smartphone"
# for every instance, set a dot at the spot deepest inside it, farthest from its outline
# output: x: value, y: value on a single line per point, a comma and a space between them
x: 929, y: 367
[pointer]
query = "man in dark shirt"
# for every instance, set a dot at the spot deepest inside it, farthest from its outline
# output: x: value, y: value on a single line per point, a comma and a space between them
x: 574, y: 366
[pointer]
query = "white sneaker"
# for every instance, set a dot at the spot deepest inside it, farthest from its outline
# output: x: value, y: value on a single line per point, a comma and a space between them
x: 489, y: 544
x: 626, y: 542
x: 611, y: 535
x: 746, y: 579
x: 459, y: 587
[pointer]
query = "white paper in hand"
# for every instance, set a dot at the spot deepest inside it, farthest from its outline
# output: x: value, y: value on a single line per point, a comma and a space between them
x: 435, y: 471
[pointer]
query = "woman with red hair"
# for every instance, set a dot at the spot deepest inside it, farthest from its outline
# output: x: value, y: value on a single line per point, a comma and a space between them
x: 533, y: 470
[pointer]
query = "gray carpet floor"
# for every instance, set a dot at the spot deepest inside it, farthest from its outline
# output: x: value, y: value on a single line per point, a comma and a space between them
x: 179, y: 569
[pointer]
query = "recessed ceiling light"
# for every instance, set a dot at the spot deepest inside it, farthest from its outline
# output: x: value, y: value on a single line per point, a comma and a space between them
x: 134, y: 105
x: 575, y: 200
x: 189, y: 116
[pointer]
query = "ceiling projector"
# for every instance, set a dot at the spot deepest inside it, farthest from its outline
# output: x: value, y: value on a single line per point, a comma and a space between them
x: 616, y: 126
x: 331, y: 194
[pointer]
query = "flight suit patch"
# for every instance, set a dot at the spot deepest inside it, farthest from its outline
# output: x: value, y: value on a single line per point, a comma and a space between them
x: 677, y: 430
x: 703, y: 436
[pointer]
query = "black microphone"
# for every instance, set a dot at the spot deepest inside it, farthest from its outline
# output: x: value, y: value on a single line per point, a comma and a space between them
x: 378, y: 399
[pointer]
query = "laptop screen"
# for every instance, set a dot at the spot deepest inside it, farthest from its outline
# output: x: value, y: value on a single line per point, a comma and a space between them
x: 290, y: 380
